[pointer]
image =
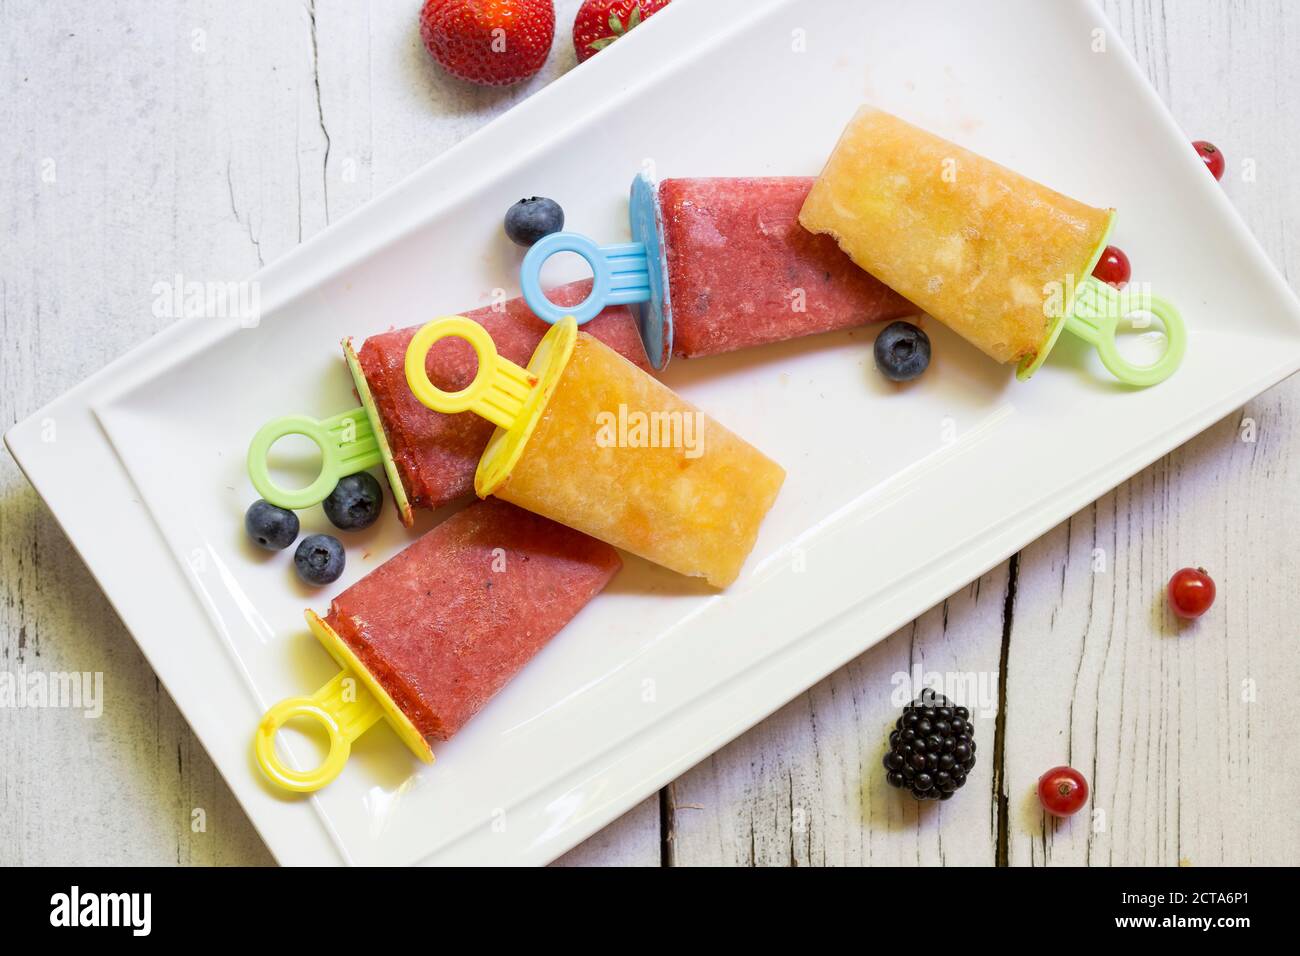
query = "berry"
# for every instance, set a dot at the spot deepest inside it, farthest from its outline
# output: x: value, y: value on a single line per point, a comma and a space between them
x: 529, y: 220
x: 600, y: 22
x: 1113, y: 267
x: 902, y: 351
x: 355, y: 502
x: 270, y: 527
x: 1191, y: 592
x: 1212, y: 156
x: 490, y: 42
x: 1062, y: 791
x: 319, y: 559
x: 931, y: 748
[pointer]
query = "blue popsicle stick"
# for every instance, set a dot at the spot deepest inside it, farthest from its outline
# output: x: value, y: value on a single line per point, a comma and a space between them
x: 629, y: 273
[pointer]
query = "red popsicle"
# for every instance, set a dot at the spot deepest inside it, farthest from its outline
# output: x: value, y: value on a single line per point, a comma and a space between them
x: 743, y: 272
x: 447, y: 622
x: 428, y: 637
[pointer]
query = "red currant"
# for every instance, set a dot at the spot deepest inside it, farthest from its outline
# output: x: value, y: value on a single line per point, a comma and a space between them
x: 1062, y: 791
x: 1113, y: 267
x: 1191, y: 592
x: 1212, y: 156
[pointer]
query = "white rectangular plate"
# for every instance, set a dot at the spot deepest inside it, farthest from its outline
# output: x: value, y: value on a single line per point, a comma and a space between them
x: 895, y: 497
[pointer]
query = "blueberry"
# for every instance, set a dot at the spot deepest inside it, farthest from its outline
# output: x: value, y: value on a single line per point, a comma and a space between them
x: 319, y: 559
x: 355, y: 502
x: 530, y: 219
x: 902, y: 351
x: 270, y: 527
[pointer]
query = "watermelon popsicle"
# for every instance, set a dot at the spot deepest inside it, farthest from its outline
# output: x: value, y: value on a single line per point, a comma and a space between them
x: 588, y: 439
x: 717, y: 265
x: 429, y: 458
x: 1001, y: 260
x: 428, y: 637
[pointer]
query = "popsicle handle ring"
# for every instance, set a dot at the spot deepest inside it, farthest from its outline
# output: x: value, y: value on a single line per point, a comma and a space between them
x: 347, y: 444
x: 620, y: 276
x: 1098, y: 309
x: 346, y: 710
x: 499, y: 389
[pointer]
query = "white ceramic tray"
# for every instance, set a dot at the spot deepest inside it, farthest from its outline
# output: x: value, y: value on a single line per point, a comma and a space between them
x: 895, y: 497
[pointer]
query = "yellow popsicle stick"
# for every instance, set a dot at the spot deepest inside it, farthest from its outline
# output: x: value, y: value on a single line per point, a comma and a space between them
x: 349, y: 705
x: 500, y: 387
x: 510, y: 397
x: 346, y: 711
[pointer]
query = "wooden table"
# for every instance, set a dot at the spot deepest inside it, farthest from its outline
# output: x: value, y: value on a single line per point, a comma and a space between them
x: 143, y: 139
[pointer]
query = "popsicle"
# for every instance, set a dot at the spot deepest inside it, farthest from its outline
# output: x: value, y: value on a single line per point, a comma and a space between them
x: 588, y: 439
x: 717, y: 265
x: 428, y: 458
x: 1003, y: 261
x: 742, y: 271
x: 428, y: 637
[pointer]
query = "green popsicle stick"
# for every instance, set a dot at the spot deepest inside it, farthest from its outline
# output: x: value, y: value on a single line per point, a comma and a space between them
x: 1098, y: 309
x: 1093, y: 313
x: 347, y: 445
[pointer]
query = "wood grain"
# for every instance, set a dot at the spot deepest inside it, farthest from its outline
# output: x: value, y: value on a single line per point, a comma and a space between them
x: 143, y: 140
x: 806, y: 788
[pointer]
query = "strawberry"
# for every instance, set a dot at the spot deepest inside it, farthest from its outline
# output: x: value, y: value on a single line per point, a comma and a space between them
x: 600, y: 22
x: 490, y: 42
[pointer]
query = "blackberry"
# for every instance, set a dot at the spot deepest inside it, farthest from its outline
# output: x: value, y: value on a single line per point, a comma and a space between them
x: 931, y: 748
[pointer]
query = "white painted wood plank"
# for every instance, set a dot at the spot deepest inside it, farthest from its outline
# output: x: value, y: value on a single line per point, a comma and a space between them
x: 149, y: 141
